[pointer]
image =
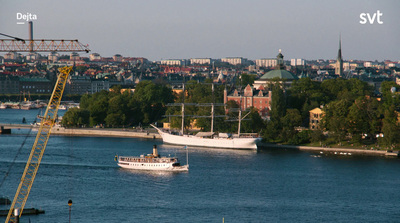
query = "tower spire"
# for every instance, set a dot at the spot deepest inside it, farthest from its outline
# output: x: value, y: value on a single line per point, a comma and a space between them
x: 340, y: 48
x: 339, y: 60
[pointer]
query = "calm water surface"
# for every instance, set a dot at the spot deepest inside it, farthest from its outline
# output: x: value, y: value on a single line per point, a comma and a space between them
x: 239, y: 186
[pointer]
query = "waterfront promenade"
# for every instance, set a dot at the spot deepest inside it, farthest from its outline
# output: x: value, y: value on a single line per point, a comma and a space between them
x: 96, y: 132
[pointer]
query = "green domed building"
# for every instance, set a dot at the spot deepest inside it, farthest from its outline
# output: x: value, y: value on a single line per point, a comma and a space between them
x: 286, y: 76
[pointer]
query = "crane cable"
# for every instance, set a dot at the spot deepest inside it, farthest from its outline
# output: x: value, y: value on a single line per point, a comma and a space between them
x: 18, y: 152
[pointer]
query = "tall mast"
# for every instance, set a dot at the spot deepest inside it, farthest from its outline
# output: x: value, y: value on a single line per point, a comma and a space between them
x: 240, y: 120
x: 183, y: 107
x: 212, y: 108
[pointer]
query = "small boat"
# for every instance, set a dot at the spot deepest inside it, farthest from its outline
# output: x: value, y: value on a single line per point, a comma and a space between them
x: 152, y: 162
x: 3, y: 106
x: 62, y: 107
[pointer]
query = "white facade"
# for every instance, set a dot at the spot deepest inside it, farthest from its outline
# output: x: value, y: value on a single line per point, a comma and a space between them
x: 173, y: 62
x: 11, y: 56
x: 266, y: 62
x: 200, y: 61
x: 94, y: 56
x: 53, y: 56
x: 32, y: 56
x: 234, y: 60
x: 297, y: 62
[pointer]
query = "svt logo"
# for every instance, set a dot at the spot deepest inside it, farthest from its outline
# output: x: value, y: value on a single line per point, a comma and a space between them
x: 371, y: 18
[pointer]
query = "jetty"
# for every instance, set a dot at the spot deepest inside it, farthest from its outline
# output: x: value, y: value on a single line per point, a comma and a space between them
x: 27, y: 211
x: 4, y: 130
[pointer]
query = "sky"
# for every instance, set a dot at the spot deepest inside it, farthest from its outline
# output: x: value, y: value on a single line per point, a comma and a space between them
x: 184, y: 29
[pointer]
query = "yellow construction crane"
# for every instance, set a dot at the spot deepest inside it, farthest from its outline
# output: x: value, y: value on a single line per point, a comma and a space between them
x: 39, y: 146
x: 20, y: 45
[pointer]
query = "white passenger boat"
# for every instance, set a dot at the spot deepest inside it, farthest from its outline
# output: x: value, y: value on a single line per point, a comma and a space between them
x: 152, y: 162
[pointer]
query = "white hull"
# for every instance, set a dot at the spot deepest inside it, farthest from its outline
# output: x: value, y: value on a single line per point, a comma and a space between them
x: 227, y: 143
x: 152, y: 166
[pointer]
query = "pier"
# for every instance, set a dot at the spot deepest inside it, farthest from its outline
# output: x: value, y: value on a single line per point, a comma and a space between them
x: 27, y: 211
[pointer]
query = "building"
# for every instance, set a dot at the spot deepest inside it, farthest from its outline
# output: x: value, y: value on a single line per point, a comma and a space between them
x: 78, y: 85
x: 117, y: 58
x: 53, y: 56
x: 32, y: 56
x: 315, y: 118
x: 234, y: 60
x: 9, y: 84
x: 279, y: 73
x: 103, y: 84
x: 11, y: 56
x: 74, y: 56
x: 94, y: 57
x: 200, y: 61
x: 35, y: 85
x: 266, y: 62
x: 173, y: 62
x: 339, y: 61
x: 251, y: 97
x: 297, y: 62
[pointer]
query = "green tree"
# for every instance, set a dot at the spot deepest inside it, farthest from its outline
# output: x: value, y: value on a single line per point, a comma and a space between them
x: 390, y: 98
x: 115, y: 119
x: 363, y: 118
x: 253, y: 123
x: 291, y: 120
x: 278, y: 102
x: 246, y: 79
x: 153, y: 99
x: 390, y: 128
x: 335, y: 119
x: 76, y: 117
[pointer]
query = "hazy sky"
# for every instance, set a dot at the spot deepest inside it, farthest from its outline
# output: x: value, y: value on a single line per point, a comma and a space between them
x: 183, y: 29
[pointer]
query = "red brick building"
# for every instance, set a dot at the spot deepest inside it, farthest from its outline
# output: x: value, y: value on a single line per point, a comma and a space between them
x: 250, y: 97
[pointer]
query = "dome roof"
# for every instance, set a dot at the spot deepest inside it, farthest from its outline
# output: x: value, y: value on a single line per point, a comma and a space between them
x: 283, y: 74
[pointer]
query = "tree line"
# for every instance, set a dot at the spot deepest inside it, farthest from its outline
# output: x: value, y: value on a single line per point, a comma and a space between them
x: 352, y: 112
x: 119, y: 109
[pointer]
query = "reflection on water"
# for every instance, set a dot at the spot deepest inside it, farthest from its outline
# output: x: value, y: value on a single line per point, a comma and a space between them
x: 209, y: 150
x: 154, y: 173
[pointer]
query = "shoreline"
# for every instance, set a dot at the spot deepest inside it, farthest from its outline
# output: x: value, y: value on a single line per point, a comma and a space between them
x: 334, y: 151
x: 146, y: 134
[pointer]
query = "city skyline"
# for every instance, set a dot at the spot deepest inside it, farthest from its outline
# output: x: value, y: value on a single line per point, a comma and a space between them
x: 178, y: 29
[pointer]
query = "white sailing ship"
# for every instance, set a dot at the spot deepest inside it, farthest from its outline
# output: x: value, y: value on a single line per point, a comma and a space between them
x: 152, y: 162
x: 209, y: 139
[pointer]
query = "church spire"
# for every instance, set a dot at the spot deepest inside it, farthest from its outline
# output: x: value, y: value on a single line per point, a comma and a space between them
x: 339, y: 60
x: 339, y: 57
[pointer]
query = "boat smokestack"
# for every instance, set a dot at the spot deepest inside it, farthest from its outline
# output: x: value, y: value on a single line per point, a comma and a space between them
x: 155, y: 152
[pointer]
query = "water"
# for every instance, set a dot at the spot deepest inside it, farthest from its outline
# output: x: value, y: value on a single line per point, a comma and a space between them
x: 239, y: 186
